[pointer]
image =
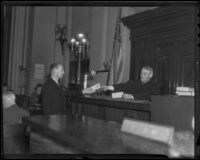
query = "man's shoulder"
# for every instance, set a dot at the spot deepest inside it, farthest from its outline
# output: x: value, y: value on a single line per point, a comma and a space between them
x: 20, y: 110
x: 48, y: 83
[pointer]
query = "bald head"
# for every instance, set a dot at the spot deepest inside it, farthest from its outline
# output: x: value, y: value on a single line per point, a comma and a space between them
x: 8, y: 99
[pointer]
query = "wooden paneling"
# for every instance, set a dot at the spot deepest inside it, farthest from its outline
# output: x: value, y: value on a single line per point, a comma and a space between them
x: 108, y: 109
x: 188, y: 72
x: 164, y: 39
x: 176, y: 111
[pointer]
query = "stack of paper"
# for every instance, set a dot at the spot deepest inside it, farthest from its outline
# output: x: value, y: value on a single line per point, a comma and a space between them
x: 185, y: 91
x: 117, y: 94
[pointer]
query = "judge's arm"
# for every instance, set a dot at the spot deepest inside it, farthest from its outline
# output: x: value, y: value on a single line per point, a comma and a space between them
x: 142, y: 96
x: 147, y: 95
x: 127, y: 96
x: 118, y: 87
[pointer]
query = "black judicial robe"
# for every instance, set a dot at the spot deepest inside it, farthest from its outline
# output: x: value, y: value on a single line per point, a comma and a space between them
x: 53, y: 98
x: 139, y: 90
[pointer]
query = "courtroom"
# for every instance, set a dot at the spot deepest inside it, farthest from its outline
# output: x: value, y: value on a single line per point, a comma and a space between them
x: 100, y: 80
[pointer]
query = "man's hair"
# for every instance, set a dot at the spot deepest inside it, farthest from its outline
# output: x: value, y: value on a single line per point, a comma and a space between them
x: 38, y: 85
x: 9, y: 96
x: 148, y: 68
x: 53, y: 66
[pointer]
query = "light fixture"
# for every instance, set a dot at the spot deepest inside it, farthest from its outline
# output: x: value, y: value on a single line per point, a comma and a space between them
x: 80, y: 35
x: 73, y: 40
x: 78, y: 46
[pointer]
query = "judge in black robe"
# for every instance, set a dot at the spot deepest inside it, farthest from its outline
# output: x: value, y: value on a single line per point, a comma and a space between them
x: 141, y: 89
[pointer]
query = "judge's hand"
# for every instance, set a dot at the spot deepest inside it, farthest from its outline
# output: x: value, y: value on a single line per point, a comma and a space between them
x: 127, y: 96
x: 105, y: 88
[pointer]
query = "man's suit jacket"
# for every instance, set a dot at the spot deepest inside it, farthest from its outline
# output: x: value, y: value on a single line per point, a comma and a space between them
x: 53, y: 98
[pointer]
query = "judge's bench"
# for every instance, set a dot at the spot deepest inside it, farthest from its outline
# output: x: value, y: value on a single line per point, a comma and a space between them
x: 167, y: 110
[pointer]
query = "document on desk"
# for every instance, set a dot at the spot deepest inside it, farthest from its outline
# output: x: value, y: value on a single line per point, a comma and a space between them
x: 92, y: 89
x: 95, y: 87
x: 117, y: 94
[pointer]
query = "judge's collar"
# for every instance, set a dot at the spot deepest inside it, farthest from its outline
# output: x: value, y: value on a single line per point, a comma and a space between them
x: 149, y: 81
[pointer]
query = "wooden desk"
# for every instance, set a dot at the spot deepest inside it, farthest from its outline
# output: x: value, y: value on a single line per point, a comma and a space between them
x: 89, y: 135
x: 109, y: 109
x: 173, y: 110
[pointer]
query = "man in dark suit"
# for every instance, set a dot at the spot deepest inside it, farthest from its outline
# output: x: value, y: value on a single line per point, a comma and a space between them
x: 53, y: 94
x: 141, y: 89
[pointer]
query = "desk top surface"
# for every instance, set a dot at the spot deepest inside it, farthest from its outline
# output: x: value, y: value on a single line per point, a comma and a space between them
x: 91, y: 135
x: 120, y: 103
x: 107, y: 98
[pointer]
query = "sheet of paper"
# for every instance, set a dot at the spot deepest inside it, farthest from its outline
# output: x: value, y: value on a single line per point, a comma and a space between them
x: 39, y: 71
x: 91, y: 89
x: 95, y: 87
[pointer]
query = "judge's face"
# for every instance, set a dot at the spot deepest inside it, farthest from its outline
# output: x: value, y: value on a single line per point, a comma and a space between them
x: 145, y: 75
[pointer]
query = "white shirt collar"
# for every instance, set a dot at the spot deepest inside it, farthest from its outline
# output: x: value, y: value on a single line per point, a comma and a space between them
x: 55, y: 80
